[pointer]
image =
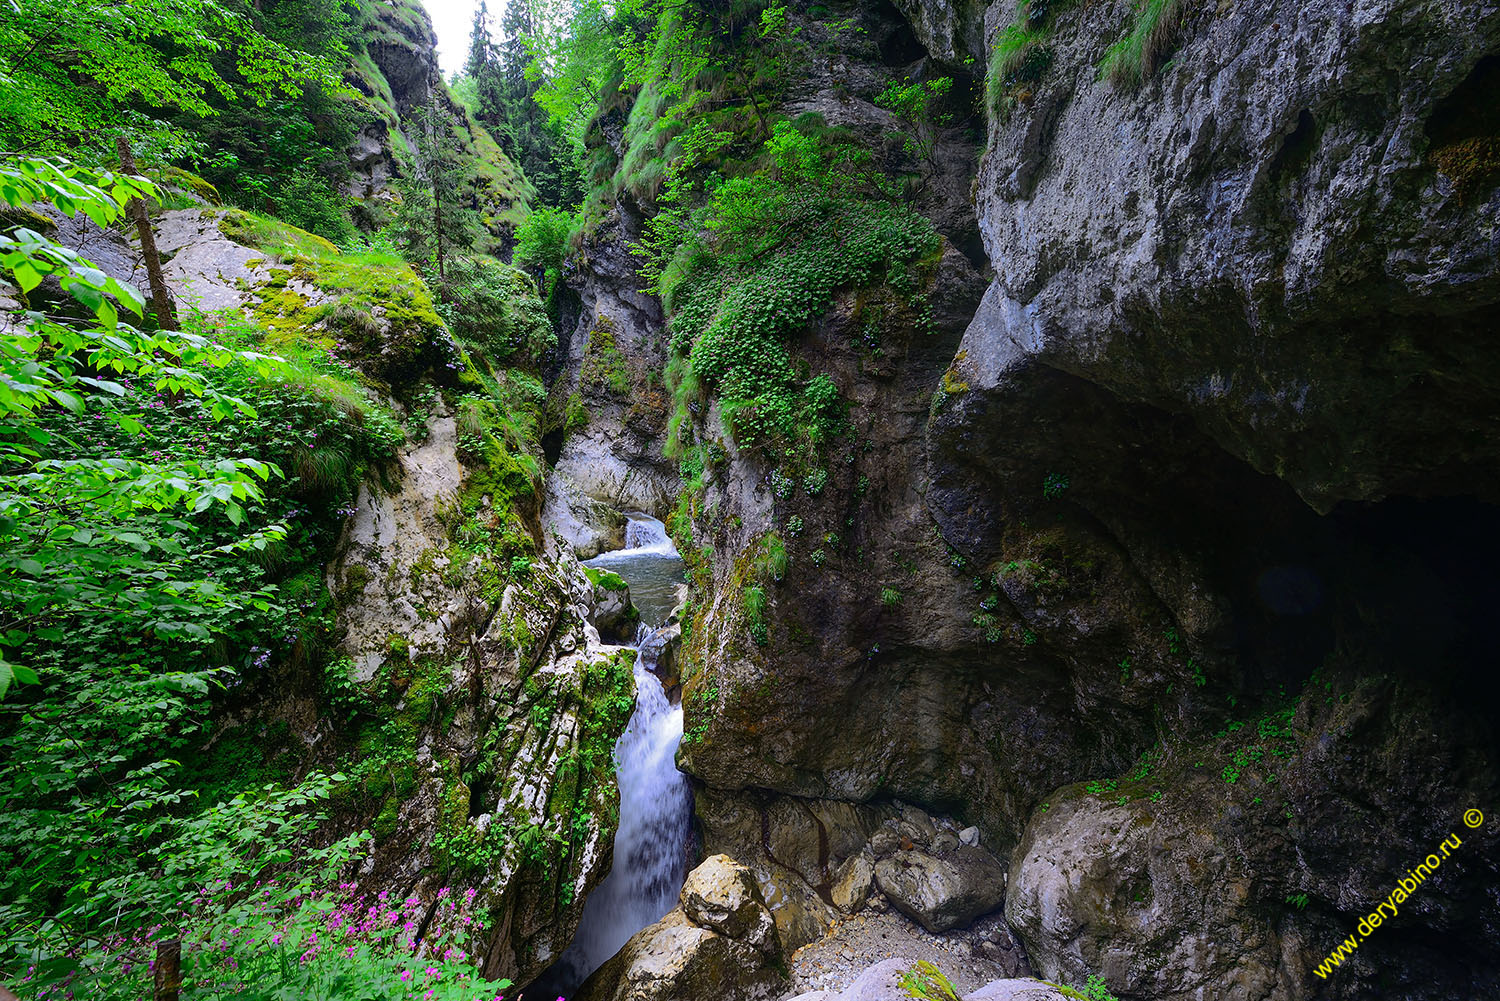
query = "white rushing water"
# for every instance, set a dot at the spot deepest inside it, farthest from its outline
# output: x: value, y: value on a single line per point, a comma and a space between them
x: 644, y: 536
x: 650, y: 856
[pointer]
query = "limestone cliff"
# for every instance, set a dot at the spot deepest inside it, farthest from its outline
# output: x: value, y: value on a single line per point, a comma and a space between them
x: 396, y: 85
x: 1163, y: 559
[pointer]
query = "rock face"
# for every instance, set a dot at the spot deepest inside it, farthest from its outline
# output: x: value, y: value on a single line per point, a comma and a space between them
x: 1268, y: 243
x: 393, y: 75
x: 613, y: 407
x: 720, y: 943
x: 1165, y: 557
x: 942, y: 891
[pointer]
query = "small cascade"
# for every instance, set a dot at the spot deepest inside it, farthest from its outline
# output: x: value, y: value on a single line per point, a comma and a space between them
x: 651, y: 566
x: 650, y: 855
x: 644, y: 536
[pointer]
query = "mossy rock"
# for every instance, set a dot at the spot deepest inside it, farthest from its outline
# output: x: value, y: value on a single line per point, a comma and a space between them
x: 12, y: 216
x: 1473, y: 165
x: 251, y: 229
x: 182, y: 180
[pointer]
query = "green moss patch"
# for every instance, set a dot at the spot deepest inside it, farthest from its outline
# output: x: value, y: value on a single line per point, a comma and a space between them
x: 604, y: 369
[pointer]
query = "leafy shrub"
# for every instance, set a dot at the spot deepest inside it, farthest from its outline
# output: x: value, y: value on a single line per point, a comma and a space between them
x: 542, y: 243
x: 310, y: 202
x: 746, y: 272
x: 495, y: 310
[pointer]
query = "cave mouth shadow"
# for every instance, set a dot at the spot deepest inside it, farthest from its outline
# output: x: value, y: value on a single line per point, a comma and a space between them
x: 1430, y: 570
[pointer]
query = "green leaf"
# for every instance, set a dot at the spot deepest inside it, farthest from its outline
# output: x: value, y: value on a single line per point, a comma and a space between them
x: 26, y: 276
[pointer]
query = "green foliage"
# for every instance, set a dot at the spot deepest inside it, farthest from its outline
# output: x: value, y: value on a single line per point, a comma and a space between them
x: 170, y: 500
x: 1145, y: 47
x: 495, y: 312
x: 890, y: 597
x: 926, y: 982
x: 1021, y: 55
x: 698, y: 710
x: 542, y: 243
x: 1054, y: 486
x: 751, y: 270
x: 606, y: 579
x: 604, y: 368
x: 770, y: 558
x: 300, y: 936
x: 1095, y: 989
x: 496, y: 89
x: 917, y: 104
x: 755, y: 612
x: 75, y: 75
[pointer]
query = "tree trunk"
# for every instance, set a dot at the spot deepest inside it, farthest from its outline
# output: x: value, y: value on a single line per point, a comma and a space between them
x: 161, y: 300
x: 437, y: 225
x: 168, y: 970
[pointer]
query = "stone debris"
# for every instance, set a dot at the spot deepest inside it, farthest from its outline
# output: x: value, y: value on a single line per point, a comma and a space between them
x: 971, y: 957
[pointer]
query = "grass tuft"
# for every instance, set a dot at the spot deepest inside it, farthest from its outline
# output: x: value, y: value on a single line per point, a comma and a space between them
x: 1134, y: 58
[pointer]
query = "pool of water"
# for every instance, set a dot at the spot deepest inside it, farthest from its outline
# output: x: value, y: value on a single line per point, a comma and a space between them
x: 650, y: 565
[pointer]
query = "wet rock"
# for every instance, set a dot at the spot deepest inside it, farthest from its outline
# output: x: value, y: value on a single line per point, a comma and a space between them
x: 969, y: 836
x: 943, y: 893
x: 666, y: 642
x: 719, y: 943
x: 944, y: 841
x: 722, y: 895
x: 611, y: 610
x: 852, y: 884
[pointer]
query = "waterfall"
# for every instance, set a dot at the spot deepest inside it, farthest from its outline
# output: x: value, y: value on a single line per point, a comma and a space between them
x: 644, y: 536
x: 650, y: 855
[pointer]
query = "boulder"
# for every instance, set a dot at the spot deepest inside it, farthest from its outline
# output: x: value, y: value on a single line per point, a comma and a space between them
x: 801, y: 915
x: 1016, y: 990
x: 612, y: 612
x: 942, y: 892
x: 969, y: 836
x: 885, y: 841
x: 722, y: 895
x: 881, y: 982
x: 852, y: 884
x: 677, y: 960
x: 720, y: 943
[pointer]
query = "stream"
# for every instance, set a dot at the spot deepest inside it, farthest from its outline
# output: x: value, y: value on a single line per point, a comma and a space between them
x: 650, y: 855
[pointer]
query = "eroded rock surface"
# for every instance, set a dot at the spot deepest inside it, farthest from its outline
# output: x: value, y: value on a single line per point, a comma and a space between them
x: 719, y: 943
x: 945, y: 890
x: 1262, y: 237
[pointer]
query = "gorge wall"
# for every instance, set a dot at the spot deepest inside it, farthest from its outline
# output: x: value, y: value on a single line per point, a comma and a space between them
x: 1159, y: 550
x: 1119, y: 533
